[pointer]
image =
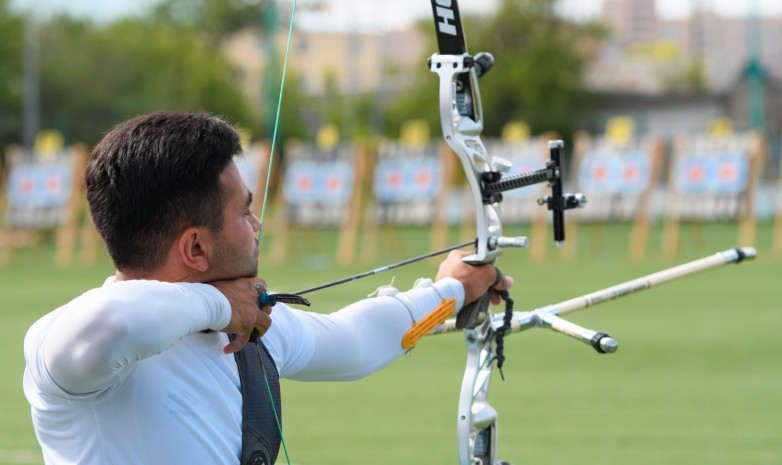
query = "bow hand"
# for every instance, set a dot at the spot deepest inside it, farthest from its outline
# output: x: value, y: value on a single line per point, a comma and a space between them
x: 480, y: 285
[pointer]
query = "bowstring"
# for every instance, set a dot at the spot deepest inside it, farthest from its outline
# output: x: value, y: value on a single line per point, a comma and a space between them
x: 263, y: 207
x: 276, y: 123
x: 274, y: 409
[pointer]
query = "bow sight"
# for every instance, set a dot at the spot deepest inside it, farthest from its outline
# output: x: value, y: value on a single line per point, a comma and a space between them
x: 557, y: 202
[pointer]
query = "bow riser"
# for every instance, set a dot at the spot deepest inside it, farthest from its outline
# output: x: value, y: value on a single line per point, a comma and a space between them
x: 462, y: 123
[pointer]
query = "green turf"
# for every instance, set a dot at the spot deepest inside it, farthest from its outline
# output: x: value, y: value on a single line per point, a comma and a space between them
x: 696, y: 380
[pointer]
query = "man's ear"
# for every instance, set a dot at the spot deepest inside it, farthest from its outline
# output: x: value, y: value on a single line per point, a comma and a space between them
x: 194, y: 247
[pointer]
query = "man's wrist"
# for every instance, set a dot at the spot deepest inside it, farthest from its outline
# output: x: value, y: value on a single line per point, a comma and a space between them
x: 450, y: 288
x: 216, y: 305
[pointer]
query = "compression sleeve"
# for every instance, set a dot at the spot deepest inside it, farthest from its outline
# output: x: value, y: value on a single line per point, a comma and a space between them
x: 354, y: 341
x: 89, y: 344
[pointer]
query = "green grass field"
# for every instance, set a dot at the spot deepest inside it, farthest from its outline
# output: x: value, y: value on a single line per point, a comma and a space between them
x: 696, y: 380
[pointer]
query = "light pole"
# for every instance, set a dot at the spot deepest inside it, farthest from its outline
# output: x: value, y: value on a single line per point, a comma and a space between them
x: 31, y: 99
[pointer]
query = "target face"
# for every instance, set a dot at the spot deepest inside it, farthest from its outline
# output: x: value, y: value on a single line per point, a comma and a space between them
x: 624, y: 174
x: 399, y: 180
x: 723, y: 174
x: 40, y: 185
x: 308, y: 183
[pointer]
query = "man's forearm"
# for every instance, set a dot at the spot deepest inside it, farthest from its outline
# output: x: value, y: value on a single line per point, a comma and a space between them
x: 105, y: 330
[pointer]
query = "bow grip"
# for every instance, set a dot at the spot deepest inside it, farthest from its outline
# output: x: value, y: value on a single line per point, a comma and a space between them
x: 473, y: 313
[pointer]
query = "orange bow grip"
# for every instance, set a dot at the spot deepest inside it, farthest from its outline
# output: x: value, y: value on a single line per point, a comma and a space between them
x: 436, y: 317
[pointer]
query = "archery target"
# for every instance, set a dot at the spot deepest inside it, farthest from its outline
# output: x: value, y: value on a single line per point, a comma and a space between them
x: 633, y: 173
x: 301, y: 179
x: 423, y: 176
x: 597, y: 174
x: 723, y: 174
x: 336, y: 184
x: 731, y: 174
x: 40, y: 185
x: 389, y: 181
x: 22, y: 186
x: 693, y: 173
x: 624, y: 174
x: 308, y: 183
x: 397, y: 180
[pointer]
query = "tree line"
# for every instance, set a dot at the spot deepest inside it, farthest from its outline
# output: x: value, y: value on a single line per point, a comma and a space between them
x: 94, y: 75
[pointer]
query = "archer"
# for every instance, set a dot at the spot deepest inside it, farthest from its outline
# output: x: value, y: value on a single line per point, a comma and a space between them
x: 141, y: 369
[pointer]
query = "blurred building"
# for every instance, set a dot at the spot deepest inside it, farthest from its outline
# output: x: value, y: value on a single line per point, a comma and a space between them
x: 348, y: 63
x: 726, y: 44
x: 673, y: 112
x: 674, y: 76
x: 647, y: 47
x: 669, y: 75
x: 632, y: 21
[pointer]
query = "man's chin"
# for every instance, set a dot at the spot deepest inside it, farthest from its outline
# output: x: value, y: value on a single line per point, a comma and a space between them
x: 228, y: 274
x: 251, y: 273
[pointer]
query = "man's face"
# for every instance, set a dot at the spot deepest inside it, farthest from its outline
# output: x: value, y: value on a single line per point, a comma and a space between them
x: 236, y: 249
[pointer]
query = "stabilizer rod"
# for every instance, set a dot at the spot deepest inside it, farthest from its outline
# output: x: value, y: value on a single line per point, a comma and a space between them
x: 549, y: 316
x: 734, y: 255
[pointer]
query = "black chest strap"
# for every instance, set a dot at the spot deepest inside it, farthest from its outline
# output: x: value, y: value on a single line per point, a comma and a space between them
x: 260, y: 435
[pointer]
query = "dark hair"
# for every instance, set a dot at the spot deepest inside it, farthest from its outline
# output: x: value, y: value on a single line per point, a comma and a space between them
x: 153, y: 176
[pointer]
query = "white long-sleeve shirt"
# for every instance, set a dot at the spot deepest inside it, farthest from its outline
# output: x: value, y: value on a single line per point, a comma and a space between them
x: 124, y: 374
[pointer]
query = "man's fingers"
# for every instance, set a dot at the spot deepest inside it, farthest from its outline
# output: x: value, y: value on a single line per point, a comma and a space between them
x: 263, y: 323
x: 505, y: 283
x: 237, y: 344
x: 475, y: 279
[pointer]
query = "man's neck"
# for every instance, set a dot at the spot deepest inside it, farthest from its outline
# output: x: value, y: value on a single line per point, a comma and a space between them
x: 164, y: 274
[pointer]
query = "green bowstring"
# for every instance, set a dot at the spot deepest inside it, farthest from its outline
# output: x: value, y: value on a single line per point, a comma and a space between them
x: 263, y: 208
x: 276, y: 123
x: 274, y: 409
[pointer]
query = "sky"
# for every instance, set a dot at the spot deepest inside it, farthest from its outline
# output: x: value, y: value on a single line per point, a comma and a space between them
x: 372, y: 15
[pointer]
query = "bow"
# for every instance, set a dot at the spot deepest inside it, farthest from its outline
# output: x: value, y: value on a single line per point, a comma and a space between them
x: 461, y: 116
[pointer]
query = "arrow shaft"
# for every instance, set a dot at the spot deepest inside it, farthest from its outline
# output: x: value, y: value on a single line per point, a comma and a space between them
x: 385, y: 268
